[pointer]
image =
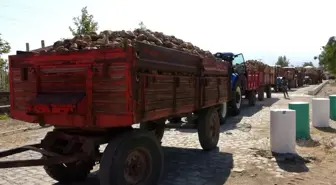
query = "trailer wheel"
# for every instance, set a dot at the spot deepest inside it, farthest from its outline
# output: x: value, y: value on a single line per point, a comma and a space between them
x: 252, y: 98
x: 261, y: 93
x: 268, y: 92
x: 72, y: 172
x: 157, y: 127
x: 208, y: 128
x: 236, y: 101
x: 133, y: 158
x: 222, y: 112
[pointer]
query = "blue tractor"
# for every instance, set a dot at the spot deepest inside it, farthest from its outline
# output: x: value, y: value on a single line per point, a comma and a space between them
x: 239, y: 84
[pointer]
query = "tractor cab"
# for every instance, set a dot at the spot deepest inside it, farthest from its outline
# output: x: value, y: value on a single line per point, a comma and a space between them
x: 227, y: 56
x: 237, y: 61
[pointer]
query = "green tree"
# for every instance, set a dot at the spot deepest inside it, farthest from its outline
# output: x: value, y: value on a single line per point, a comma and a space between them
x: 142, y: 25
x: 84, y: 23
x: 308, y: 64
x: 327, y: 58
x: 282, y: 61
x: 4, y: 49
x: 4, y: 46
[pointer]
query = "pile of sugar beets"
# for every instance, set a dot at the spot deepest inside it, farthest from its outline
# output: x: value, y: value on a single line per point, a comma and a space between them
x: 118, y: 39
x: 255, y: 65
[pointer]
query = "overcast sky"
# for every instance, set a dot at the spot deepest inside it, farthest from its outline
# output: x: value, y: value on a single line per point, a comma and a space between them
x: 260, y: 29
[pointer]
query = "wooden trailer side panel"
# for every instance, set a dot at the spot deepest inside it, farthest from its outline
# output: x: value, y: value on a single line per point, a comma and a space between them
x: 172, y: 82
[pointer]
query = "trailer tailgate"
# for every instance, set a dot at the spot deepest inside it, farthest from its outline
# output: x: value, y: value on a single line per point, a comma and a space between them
x: 71, y: 89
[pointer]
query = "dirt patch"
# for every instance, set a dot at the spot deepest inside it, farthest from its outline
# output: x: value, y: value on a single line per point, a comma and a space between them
x: 23, y: 138
x: 14, y: 133
x: 328, y: 89
x: 313, y: 164
x: 11, y: 124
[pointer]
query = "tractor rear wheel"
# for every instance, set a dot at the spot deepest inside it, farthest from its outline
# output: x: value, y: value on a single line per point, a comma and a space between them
x: 237, y: 99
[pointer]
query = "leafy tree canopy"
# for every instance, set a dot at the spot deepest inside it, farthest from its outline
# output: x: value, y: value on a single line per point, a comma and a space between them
x: 4, y: 49
x: 84, y: 23
x: 308, y: 64
x: 327, y: 58
x: 282, y: 61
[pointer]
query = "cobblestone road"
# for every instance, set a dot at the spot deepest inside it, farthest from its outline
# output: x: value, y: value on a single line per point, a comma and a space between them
x: 237, y: 161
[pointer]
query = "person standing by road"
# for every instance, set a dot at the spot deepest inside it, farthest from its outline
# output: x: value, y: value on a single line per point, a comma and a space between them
x: 284, y: 84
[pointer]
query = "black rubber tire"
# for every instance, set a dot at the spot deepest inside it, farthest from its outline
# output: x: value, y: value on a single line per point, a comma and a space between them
x: 157, y: 127
x: 268, y: 92
x: 208, y: 127
x: 234, y: 110
x: 252, y: 98
x: 223, y: 113
x: 68, y: 173
x: 112, y: 165
x: 261, y: 93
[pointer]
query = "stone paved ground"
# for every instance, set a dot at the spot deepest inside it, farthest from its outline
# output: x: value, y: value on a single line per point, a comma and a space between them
x: 243, y: 156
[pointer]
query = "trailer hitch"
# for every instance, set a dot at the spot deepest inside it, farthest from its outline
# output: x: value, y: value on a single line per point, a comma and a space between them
x: 52, y: 158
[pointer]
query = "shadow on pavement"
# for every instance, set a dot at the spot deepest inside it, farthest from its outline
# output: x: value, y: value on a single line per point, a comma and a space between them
x: 231, y: 122
x: 326, y: 129
x: 247, y: 111
x: 187, y: 166
x: 307, y: 143
x: 194, y: 166
x: 291, y: 162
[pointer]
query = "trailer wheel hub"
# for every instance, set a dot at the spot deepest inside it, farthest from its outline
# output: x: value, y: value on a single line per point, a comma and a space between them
x: 137, y: 166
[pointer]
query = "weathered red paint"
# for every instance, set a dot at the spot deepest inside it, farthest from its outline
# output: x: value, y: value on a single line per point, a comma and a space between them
x: 253, y: 82
x: 117, y: 91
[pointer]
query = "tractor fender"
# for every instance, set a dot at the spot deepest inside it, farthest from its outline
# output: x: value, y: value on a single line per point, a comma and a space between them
x: 234, y: 78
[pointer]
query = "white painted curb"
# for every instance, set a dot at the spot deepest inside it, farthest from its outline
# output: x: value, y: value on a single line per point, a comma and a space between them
x: 318, y: 88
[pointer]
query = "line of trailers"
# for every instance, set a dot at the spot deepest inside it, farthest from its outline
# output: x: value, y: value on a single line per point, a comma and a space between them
x: 298, y: 76
x: 247, y: 83
x: 93, y: 97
